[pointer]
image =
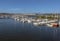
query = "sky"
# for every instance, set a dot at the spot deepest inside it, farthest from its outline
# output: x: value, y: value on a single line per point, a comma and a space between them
x: 30, y: 6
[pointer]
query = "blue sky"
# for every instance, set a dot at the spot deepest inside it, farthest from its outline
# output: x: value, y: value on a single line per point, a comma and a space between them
x: 30, y: 6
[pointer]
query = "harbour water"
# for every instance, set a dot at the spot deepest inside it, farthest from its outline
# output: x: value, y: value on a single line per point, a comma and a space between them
x: 14, y: 30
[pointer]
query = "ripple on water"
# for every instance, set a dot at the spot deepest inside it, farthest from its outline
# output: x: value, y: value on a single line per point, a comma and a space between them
x: 15, y: 30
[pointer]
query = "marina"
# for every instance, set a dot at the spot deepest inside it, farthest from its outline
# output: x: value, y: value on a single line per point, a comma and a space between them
x: 50, y: 20
x: 29, y: 20
x: 50, y: 23
x: 21, y: 27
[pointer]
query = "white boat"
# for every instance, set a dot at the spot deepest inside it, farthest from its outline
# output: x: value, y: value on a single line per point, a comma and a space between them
x: 36, y: 23
x: 22, y: 20
x: 53, y: 25
x: 59, y: 23
x: 43, y: 22
x: 29, y: 21
x: 49, y: 25
x: 52, y: 21
x: 17, y: 19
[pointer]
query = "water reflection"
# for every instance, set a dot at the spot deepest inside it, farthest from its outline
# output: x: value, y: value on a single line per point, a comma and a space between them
x: 11, y: 29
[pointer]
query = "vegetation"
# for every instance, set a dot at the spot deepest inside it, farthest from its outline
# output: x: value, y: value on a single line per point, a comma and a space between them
x: 48, y: 17
x: 41, y: 17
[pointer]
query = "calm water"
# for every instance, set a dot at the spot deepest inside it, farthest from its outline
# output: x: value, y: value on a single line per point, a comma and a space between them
x: 14, y: 30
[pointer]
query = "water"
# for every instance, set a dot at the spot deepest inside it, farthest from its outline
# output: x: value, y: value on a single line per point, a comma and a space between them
x: 14, y: 30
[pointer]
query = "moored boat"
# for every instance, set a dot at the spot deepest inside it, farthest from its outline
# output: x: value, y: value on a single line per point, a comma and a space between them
x: 53, y: 25
x: 49, y: 25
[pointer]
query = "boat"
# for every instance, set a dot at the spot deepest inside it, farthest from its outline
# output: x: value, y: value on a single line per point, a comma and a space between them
x: 36, y: 23
x: 43, y: 22
x: 49, y: 25
x: 53, y: 25
x: 15, y: 18
x: 59, y: 23
x: 18, y: 19
x: 29, y: 21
